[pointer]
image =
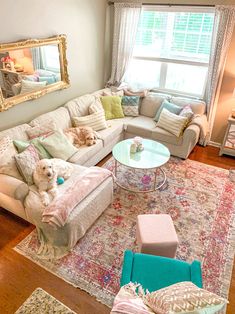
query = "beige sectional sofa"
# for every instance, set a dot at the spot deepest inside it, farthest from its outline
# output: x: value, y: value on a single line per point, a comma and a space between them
x: 117, y: 130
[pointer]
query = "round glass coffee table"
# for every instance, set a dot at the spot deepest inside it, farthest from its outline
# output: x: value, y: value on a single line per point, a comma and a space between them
x: 152, y: 158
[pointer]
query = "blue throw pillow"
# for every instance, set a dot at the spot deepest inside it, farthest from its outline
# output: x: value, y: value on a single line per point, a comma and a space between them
x: 130, y: 105
x: 169, y: 106
x: 48, y: 79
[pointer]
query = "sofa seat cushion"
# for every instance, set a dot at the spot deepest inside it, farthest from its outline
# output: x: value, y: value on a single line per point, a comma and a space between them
x: 80, y: 106
x: 161, y: 135
x: 16, y: 133
x: 86, y: 152
x: 59, y: 116
x: 141, y: 126
x: 115, y: 128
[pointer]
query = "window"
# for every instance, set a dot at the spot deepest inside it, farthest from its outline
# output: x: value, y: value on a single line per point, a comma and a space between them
x: 51, y: 59
x: 172, y: 50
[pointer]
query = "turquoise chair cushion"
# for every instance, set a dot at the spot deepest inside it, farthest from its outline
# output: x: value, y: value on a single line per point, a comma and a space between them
x: 156, y: 272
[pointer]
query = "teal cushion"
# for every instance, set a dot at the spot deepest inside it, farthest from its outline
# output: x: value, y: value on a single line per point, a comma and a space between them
x: 22, y: 145
x: 169, y: 106
x: 130, y: 105
x: 130, y: 100
x: 156, y: 272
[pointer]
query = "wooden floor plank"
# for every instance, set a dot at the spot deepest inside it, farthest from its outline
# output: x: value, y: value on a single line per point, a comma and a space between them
x: 19, y: 277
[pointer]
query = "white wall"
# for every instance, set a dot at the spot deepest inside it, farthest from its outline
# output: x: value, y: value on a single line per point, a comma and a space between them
x: 83, y: 21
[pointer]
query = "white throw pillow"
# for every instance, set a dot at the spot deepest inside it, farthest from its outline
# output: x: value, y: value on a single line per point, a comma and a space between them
x: 45, y: 128
x: 95, y: 106
x: 172, y: 123
x: 96, y: 121
x: 29, y: 86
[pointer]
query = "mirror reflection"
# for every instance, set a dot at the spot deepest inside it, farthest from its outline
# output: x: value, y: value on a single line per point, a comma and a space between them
x: 29, y: 69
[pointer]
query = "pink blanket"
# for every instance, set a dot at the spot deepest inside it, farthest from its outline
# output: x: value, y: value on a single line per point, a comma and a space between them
x: 58, y: 211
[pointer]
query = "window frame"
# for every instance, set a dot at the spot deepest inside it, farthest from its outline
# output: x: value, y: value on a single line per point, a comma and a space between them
x: 165, y: 61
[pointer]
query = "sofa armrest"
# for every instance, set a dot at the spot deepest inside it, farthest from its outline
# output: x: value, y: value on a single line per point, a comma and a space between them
x: 191, y: 133
x: 127, y: 268
x: 13, y: 187
x: 196, y: 273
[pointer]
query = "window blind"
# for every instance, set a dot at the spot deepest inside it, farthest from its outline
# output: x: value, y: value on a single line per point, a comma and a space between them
x: 176, y: 35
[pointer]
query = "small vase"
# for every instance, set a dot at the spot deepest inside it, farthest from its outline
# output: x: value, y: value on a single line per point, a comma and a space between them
x: 133, y: 148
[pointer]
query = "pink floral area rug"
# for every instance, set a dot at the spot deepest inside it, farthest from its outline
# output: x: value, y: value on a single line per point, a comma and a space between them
x: 201, y: 202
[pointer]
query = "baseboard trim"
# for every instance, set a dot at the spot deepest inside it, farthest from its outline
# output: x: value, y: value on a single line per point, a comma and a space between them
x: 215, y: 144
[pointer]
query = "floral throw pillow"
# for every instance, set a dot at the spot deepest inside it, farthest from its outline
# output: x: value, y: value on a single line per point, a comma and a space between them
x: 26, y: 163
x: 184, y: 297
x: 187, y: 112
x: 7, y: 160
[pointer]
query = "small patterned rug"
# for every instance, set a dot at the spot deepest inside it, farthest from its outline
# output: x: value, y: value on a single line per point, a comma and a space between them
x: 42, y: 302
x: 201, y: 202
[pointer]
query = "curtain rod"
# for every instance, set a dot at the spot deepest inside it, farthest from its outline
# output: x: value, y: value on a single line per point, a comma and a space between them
x: 173, y: 5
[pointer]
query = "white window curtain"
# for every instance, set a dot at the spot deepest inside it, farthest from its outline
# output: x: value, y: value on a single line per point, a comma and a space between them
x: 126, y: 18
x: 223, y: 29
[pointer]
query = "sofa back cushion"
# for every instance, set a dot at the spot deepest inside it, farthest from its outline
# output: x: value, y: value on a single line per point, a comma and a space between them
x: 16, y: 133
x: 80, y: 106
x: 151, y: 103
x: 197, y: 106
x: 59, y: 116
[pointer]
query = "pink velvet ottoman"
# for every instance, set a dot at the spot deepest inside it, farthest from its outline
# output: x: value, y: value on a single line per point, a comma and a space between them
x: 156, y: 235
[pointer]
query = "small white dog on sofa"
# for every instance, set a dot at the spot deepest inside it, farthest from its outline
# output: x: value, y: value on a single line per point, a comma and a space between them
x: 45, y: 177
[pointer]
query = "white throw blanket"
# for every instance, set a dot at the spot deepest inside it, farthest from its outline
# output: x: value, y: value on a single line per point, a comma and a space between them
x: 202, y: 123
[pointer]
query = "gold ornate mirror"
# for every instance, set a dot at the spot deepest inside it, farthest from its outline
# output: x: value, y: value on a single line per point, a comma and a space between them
x: 32, y: 68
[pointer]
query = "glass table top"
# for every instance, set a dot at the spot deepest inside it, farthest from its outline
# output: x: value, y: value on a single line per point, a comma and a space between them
x: 154, y: 154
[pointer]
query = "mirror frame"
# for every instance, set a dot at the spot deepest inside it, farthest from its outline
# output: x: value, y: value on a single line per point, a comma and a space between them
x: 60, y: 40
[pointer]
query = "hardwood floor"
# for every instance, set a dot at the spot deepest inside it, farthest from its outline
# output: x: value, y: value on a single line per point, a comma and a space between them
x: 19, y: 276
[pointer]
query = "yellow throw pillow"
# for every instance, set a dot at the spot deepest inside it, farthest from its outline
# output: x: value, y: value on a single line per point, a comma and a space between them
x: 112, y: 107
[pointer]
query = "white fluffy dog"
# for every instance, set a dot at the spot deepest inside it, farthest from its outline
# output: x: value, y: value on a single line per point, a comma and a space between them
x: 45, y: 177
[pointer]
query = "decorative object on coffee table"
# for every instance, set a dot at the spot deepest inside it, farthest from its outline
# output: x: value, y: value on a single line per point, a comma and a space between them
x: 42, y: 302
x: 151, y: 158
x: 156, y: 235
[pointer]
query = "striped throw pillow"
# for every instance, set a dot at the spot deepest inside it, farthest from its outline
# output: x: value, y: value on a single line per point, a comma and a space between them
x: 172, y: 122
x: 96, y: 121
x: 29, y: 86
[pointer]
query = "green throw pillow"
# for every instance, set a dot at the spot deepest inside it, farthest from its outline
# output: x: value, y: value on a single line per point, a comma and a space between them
x: 58, y: 145
x: 112, y: 107
x: 169, y: 106
x: 22, y: 145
